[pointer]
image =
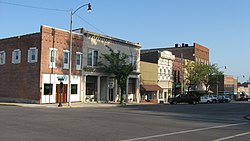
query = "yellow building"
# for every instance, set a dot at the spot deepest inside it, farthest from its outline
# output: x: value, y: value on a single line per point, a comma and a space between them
x: 150, y: 90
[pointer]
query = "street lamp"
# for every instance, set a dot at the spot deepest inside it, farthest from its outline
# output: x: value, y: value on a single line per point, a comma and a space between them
x: 70, y: 45
x: 217, y: 87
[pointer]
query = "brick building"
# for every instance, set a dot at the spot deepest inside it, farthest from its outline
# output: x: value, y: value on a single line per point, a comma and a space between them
x: 31, y: 64
x: 183, y: 53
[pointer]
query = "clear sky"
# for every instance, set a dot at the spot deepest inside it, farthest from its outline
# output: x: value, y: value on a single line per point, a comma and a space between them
x: 223, y: 26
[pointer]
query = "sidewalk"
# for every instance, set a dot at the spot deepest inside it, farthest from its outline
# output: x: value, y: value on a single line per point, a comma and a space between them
x: 65, y: 105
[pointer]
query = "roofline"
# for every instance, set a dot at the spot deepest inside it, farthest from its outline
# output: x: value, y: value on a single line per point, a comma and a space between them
x: 19, y: 36
x: 61, y: 29
x: 111, y: 38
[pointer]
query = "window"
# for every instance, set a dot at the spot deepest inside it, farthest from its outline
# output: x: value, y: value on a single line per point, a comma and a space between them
x: 16, y: 56
x: 78, y: 60
x: 160, y: 96
x: 48, y: 89
x: 73, y: 88
x: 52, y: 58
x: 92, y: 58
x: 32, y: 55
x: 2, y: 57
x: 133, y: 61
x: 65, y: 59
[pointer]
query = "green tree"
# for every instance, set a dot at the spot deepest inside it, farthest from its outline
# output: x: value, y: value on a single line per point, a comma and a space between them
x: 117, y: 63
x: 201, y: 74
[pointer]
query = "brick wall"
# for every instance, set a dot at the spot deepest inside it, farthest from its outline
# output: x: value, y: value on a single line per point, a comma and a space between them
x: 58, y: 39
x: 20, y: 81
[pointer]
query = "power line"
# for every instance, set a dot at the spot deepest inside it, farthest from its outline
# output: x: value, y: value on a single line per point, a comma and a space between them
x: 34, y: 7
x: 90, y: 24
x: 51, y: 9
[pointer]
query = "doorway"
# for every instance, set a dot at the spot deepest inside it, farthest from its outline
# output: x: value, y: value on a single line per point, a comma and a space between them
x: 64, y: 93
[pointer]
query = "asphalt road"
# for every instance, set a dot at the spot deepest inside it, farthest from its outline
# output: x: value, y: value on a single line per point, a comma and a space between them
x: 183, y: 122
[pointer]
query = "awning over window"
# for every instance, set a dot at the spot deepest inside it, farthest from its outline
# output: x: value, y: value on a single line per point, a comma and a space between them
x: 151, y: 88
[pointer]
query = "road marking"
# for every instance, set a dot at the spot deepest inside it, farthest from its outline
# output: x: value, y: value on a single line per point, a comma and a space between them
x: 230, y: 137
x: 182, y: 132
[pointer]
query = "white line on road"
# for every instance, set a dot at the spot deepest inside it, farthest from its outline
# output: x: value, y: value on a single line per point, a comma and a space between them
x: 182, y: 132
x: 230, y: 137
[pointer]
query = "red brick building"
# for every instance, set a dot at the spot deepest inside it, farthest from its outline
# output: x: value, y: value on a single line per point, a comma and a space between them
x: 26, y: 58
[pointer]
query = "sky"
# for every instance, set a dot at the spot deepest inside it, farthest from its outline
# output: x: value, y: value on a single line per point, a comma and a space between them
x: 223, y: 26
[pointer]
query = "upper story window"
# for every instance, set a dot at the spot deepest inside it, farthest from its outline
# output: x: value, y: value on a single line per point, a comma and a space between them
x: 78, y: 60
x: 2, y: 57
x: 92, y: 58
x: 52, y: 58
x: 32, y: 55
x: 133, y: 61
x: 16, y: 56
x: 65, y: 59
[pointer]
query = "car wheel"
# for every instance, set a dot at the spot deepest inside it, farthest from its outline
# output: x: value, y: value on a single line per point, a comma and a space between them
x: 174, y: 102
x: 193, y: 102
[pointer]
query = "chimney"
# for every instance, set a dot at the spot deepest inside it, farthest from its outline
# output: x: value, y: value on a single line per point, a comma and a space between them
x: 182, y: 44
x: 176, y: 45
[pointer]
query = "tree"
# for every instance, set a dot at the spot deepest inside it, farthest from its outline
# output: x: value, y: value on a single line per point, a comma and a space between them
x: 191, y: 76
x: 117, y: 63
x: 201, y: 74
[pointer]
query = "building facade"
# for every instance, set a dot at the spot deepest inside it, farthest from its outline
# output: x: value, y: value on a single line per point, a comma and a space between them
x: 31, y: 65
x: 150, y: 90
x: 184, y: 53
x: 164, y: 60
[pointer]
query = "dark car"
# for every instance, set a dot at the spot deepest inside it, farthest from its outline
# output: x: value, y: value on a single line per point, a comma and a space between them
x: 184, y: 98
x: 223, y: 99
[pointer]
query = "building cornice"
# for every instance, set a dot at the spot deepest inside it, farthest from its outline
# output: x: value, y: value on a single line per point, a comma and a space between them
x: 110, y: 39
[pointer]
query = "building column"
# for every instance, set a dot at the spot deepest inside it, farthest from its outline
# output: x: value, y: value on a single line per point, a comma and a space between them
x: 83, y: 89
x: 116, y: 91
x: 108, y: 89
x: 157, y: 95
x: 137, y: 91
x: 98, y: 88
x: 126, y: 95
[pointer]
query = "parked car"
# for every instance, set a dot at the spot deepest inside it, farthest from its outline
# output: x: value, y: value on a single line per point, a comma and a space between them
x: 205, y: 99
x: 184, y: 98
x: 223, y: 99
x: 214, y: 98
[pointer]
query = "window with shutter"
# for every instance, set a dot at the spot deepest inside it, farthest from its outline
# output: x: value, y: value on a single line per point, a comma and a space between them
x: 65, y: 59
x: 52, y: 57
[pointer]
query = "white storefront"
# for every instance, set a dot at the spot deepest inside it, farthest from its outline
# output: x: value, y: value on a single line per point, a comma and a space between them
x: 50, y: 88
x: 165, y: 80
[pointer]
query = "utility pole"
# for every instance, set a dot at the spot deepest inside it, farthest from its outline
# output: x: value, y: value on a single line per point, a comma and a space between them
x: 182, y: 73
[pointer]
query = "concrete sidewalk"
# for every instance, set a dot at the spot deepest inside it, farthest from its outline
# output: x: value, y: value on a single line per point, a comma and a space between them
x: 65, y: 105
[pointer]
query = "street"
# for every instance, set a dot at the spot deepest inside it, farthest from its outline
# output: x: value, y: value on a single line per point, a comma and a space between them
x: 181, y: 122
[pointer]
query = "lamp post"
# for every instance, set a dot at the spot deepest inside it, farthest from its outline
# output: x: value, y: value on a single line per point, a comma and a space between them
x: 217, y: 82
x: 70, y: 46
x: 182, y: 73
x: 238, y: 95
